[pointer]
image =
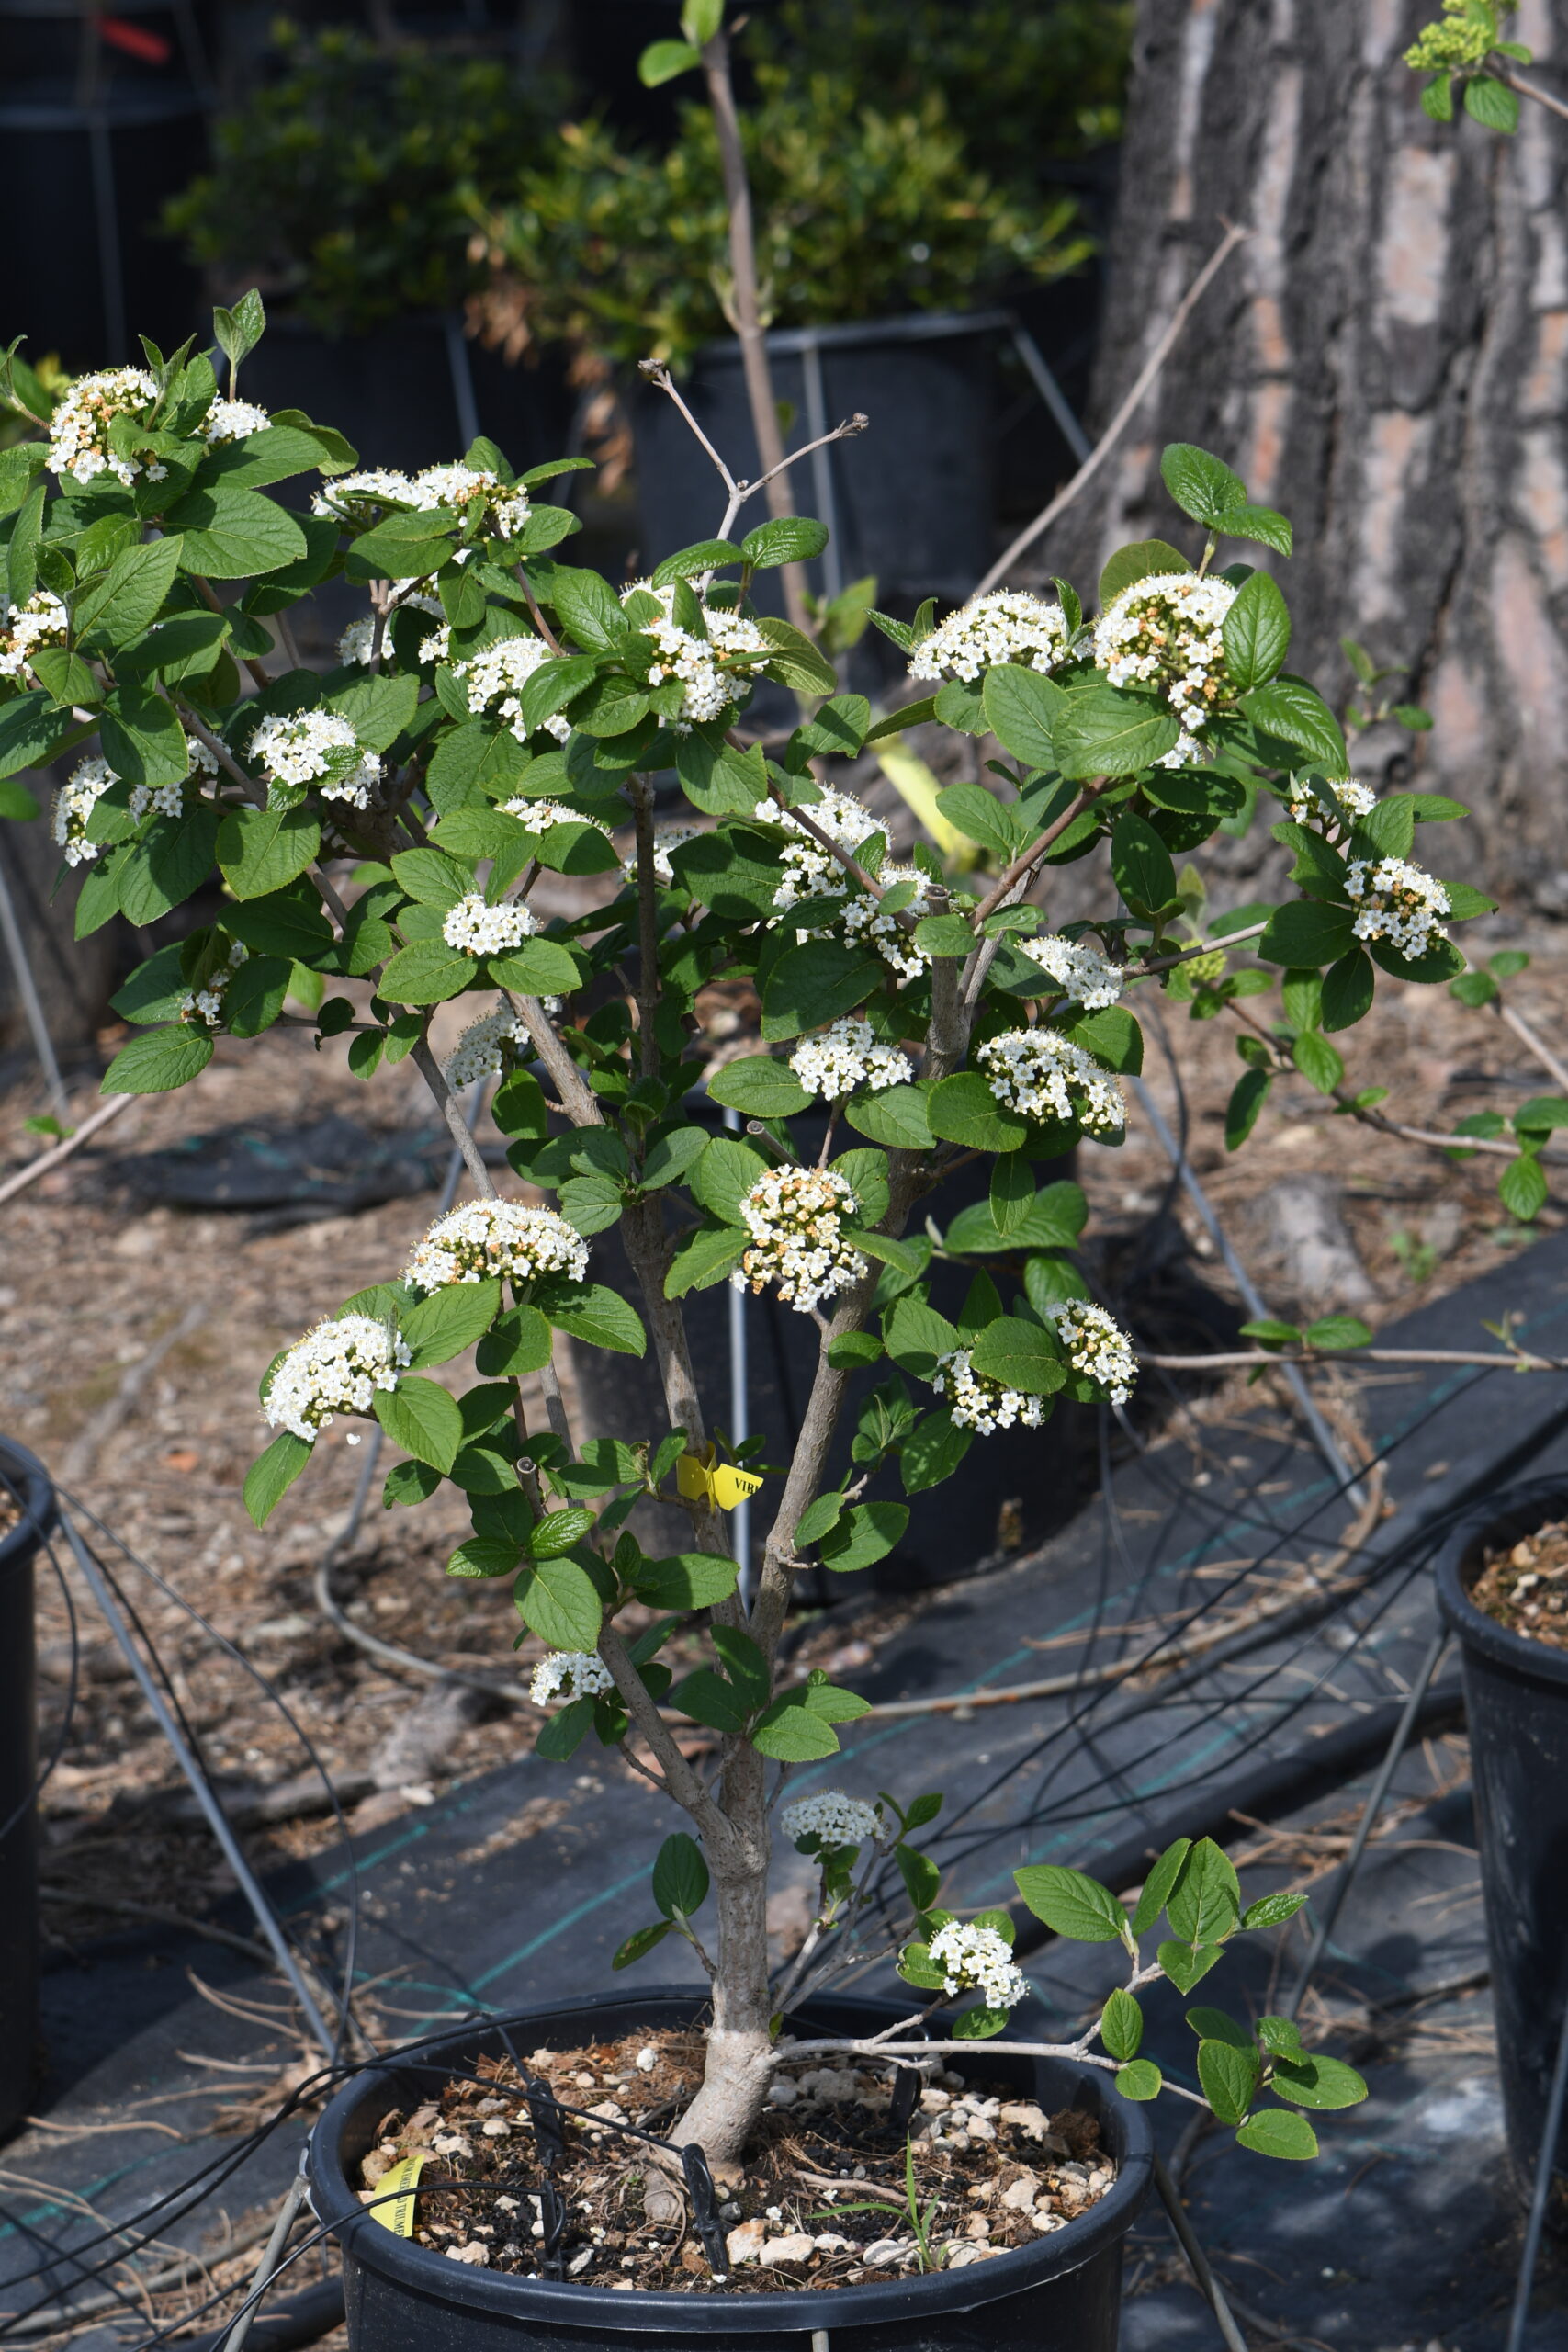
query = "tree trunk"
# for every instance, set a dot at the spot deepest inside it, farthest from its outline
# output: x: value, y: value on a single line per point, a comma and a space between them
x: 1385, y: 358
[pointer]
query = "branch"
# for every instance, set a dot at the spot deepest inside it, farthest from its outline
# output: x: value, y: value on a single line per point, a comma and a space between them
x: 540, y: 622
x: 1202, y: 947
x: 49, y: 1159
x: 846, y: 858
x: 641, y: 793
x: 434, y: 1077
x: 1113, y: 431
x: 681, y: 1782
x: 1514, y: 1359
x: 1530, y: 90
x: 657, y: 373
x: 205, y: 590
x: 1528, y: 1039
x: 742, y: 490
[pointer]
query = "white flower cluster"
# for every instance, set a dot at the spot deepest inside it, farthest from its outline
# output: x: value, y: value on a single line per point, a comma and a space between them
x: 73, y: 805
x: 1098, y: 1347
x: 362, y: 497
x: 42, y: 621
x: 834, y: 1819
x: 811, y: 871
x: 566, y: 1675
x: 978, y: 1960
x: 1396, y: 901
x: 846, y: 1056
x: 204, y: 1006
x: 484, y: 1239
x: 304, y: 747
x: 1010, y: 625
x: 1081, y: 973
x: 481, y: 1050
x: 978, y: 1402
x: 795, y: 1216
x: 461, y: 486
x: 863, y: 919
x: 357, y: 643
x: 496, y: 676
x: 232, y: 421
x: 1354, y: 797
x: 1043, y: 1075
x: 336, y: 1368
x: 537, y: 815
x: 1166, y: 631
x: 709, y: 691
x: 79, y: 429
x: 475, y: 929
x: 667, y: 838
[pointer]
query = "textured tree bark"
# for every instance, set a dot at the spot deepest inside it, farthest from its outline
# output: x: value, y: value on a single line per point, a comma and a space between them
x: 1385, y: 358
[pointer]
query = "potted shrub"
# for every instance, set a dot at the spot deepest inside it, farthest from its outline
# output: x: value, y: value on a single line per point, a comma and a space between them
x: 340, y: 186
x: 497, y: 710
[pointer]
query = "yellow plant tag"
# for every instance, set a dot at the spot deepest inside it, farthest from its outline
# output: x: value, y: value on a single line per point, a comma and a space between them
x: 396, y: 2214
x: 696, y: 1476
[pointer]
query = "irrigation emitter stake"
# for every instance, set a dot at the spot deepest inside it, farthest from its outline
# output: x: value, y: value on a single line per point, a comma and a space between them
x: 1354, y: 1492
x: 218, y: 1820
x: 272, y: 2254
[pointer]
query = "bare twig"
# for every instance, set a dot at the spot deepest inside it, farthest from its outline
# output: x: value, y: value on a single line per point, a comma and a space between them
x: 47, y: 1160
x: 1225, y: 1359
x: 1530, y: 90
x: 742, y: 490
x: 1128, y: 410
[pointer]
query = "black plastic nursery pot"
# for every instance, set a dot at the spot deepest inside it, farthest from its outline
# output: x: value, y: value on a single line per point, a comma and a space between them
x: 1515, y: 1694
x: 1063, y: 2294
x: 23, y: 1479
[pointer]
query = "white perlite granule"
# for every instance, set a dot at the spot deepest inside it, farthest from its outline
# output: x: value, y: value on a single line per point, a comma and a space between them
x: 1043, y: 1075
x: 336, y: 1368
x: 1009, y: 625
x: 496, y: 1238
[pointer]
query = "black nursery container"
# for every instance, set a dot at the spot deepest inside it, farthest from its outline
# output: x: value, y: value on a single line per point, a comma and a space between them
x: 23, y: 1480
x: 1515, y: 1694
x: 1063, y: 2294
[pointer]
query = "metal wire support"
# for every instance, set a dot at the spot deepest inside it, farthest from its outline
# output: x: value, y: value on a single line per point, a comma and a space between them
x: 32, y: 1008
x: 1323, y: 1436
x: 1545, y: 2165
x: 1376, y: 1799
x: 272, y: 2254
x: 1198, y: 2261
x: 201, y: 1789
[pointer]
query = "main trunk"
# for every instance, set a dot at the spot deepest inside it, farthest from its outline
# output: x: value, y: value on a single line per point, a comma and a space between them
x: 735, y: 2078
x: 1385, y: 358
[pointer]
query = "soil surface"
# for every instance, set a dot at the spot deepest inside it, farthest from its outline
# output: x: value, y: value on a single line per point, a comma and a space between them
x: 825, y: 2199
x: 1525, y: 1587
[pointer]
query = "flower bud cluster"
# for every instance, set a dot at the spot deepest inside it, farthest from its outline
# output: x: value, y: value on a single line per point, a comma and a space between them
x: 496, y: 676
x: 1098, y: 1347
x: 978, y: 1960
x: 233, y: 420
x: 834, y: 1819
x: 795, y: 1216
x: 472, y: 488
x: 845, y: 1055
x: 42, y: 621
x: 476, y: 929
x: 1353, y: 800
x: 488, y: 1238
x: 710, y: 692
x: 79, y: 429
x: 1043, y: 1075
x: 1463, y: 38
x: 73, y: 805
x: 668, y: 838
x: 1010, y: 625
x: 566, y: 1675
x: 484, y: 1048
x: 310, y: 747
x: 977, y: 1402
x: 336, y: 1368
x: 1167, y: 632
x: 204, y: 1006
x: 1396, y: 901
x: 361, y: 498
x: 1081, y: 973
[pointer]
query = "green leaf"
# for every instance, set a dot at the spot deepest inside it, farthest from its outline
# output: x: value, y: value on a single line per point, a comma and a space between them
x: 1141, y: 865
x: 449, y: 1321
x: 255, y: 997
x: 819, y: 1518
x: 262, y: 849
x: 864, y: 1170
x: 31, y: 729
x: 1202, y: 485
x: 1021, y: 708
x: 1121, y: 2025
x: 1071, y: 1904
x: 405, y: 546
x: 1317, y: 1061
x: 271, y: 1473
x: 1186, y: 1967
x: 557, y: 1599
x: 1277, y: 2132
x: 161, y: 1060
x: 558, y: 1531
x: 1306, y: 935
x: 1011, y: 1192
x: 1492, y: 103
x: 962, y: 1108
x: 560, y: 1739
x: 708, y: 1698
x: 1281, y: 2037
x: 837, y: 732
x: 680, y: 1876
x: 478, y: 759
x: 705, y: 1258
x: 1140, y: 2080
x: 129, y: 597
x: 1296, y: 715
x: 17, y: 802
x: 143, y: 739
x: 898, y: 1117
x: 661, y: 62
x: 1103, y: 731
x: 1256, y: 632
x: 932, y: 1451
x: 591, y: 1312
x: 485, y: 1557
x: 1205, y: 1904
x: 426, y: 972
x: 865, y: 1533
x: 1337, y: 1332
x: 1261, y: 523
x: 1247, y: 1097
x: 761, y: 1087
x: 1347, y: 988
x: 639, y: 1944
x: 377, y: 709
x: 814, y: 984
x: 788, y: 539
x: 979, y: 2024
x: 1229, y: 2077
x: 1157, y: 1888
x: 685, y: 1580
x: 1213, y: 2025
x: 539, y: 968
x: 1271, y: 1910
x: 1020, y: 1355
x: 233, y: 534
x: 722, y: 1178
x: 1142, y: 559
x: 1521, y: 1187
x: 426, y: 1422
x: 706, y: 555
x: 718, y: 777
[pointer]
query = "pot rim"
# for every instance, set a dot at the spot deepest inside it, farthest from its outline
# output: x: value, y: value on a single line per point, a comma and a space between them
x: 27, y: 1472
x: 1521, y: 1508
x: 802, y: 2312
